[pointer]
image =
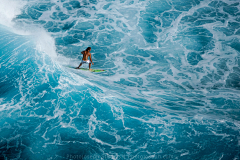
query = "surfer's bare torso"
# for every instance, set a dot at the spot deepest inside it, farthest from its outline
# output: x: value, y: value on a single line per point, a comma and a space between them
x: 86, y: 54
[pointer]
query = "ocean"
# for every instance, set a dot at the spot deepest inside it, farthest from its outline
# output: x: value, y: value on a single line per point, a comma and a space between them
x: 171, y: 89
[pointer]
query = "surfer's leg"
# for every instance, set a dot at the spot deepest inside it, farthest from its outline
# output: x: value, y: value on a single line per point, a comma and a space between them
x: 90, y: 66
x: 79, y: 65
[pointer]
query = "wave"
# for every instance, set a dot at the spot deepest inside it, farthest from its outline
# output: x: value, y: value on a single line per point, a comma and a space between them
x: 170, y: 90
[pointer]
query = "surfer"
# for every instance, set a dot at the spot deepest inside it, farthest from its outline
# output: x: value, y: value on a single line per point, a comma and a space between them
x: 86, y: 54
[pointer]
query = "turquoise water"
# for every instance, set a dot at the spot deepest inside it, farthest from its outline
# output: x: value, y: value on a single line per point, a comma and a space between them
x: 170, y: 89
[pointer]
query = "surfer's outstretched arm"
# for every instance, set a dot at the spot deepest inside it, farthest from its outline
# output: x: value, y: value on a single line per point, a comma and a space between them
x: 91, y: 59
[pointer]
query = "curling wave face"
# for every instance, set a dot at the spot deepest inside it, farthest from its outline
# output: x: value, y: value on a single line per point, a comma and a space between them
x: 170, y: 90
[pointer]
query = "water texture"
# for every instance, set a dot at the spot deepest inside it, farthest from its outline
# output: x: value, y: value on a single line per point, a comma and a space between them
x: 171, y: 89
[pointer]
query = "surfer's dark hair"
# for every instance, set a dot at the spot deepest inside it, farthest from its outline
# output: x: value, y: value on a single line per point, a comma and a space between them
x: 88, y: 48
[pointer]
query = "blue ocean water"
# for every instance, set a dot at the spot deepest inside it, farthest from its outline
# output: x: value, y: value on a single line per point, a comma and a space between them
x: 170, y: 90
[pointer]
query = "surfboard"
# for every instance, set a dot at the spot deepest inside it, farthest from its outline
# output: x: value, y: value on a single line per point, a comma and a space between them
x: 86, y: 69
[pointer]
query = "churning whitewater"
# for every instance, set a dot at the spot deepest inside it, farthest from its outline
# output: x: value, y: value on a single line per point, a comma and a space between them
x: 171, y: 89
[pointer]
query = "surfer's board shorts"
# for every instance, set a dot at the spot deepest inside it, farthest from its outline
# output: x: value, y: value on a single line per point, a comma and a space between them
x: 88, y: 61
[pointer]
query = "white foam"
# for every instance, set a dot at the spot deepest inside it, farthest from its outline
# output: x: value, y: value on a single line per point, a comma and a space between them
x: 45, y: 43
x: 8, y: 10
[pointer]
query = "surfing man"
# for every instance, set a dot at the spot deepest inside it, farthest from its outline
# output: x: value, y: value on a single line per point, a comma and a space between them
x: 86, y: 54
